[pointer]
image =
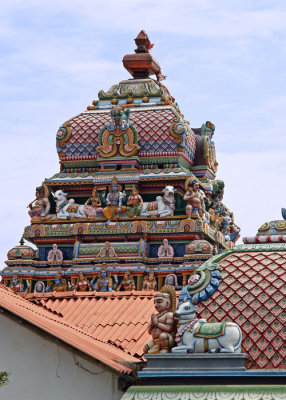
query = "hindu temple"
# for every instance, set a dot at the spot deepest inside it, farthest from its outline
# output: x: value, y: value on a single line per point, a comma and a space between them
x: 132, y: 232
x: 136, y: 191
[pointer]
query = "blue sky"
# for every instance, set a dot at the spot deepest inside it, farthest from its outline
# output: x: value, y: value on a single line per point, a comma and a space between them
x: 224, y: 61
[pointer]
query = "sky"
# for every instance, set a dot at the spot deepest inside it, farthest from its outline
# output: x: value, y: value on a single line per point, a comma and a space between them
x: 224, y: 61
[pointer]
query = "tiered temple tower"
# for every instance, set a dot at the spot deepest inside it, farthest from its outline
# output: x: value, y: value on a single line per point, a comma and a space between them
x: 136, y: 199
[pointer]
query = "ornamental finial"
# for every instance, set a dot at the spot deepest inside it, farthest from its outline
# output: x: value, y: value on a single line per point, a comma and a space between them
x: 142, y: 64
x: 143, y: 43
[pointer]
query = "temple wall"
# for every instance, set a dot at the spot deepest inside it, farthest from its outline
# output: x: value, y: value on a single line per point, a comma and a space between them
x: 43, y: 367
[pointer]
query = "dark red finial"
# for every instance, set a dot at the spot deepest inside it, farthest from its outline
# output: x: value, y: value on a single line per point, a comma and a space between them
x: 142, y: 63
x: 143, y: 43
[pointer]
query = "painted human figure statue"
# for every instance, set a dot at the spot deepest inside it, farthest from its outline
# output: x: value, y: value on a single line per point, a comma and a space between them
x: 150, y: 283
x: 40, y: 207
x: 60, y: 283
x: 172, y: 280
x: 82, y: 284
x: 104, y: 282
x: 215, y: 219
x: 107, y: 251
x: 127, y: 283
x: 195, y: 200
x: 16, y: 284
x: 234, y: 230
x: 134, y: 203
x: 55, y: 254
x: 114, y: 202
x: 165, y: 250
x: 92, y: 210
x: 162, y: 325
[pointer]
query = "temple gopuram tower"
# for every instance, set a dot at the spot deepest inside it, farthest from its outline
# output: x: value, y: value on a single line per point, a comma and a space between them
x: 136, y: 203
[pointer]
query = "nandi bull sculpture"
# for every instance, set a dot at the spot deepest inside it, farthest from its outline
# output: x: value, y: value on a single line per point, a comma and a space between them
x: 67, y: 209
x: 163, y: 206
x: 197, y: 336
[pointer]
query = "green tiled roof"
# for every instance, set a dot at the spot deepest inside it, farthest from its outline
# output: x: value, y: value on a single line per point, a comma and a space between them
x: 213, y: 392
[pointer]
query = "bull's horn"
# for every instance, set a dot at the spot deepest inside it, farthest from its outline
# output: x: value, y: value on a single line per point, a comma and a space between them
x: 194, y: 300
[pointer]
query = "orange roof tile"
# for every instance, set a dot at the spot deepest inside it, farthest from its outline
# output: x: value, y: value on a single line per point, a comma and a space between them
x: 251, y: 292
x: 117, y: 318
x: 65, y: 330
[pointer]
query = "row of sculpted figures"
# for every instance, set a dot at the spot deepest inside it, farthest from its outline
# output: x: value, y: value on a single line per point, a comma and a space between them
x: 115, y: 203
x: 201, y: 204
x: 103, y: 282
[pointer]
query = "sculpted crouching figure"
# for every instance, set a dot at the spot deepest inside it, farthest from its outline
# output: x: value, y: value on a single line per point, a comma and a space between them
x: 162, y: 325
x: 195, y: 199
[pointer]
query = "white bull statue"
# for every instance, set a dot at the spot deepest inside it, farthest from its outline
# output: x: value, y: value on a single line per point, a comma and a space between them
x: 66, y: 209
x: 198, y: 336
x: 163, y: 206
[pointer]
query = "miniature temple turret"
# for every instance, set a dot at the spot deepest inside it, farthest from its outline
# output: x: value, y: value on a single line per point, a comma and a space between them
x: 136, y: 193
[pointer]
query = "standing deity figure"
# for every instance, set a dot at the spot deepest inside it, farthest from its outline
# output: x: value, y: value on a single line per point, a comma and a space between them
x: 82, y: 284
x: 107, y: 251
x: 114, y: 201
x: 150, y: 283
x: 92, y: 210
x: 55, y: 254
x: 162, y: 325
x: 104, y: 282
x: 215, y: 219
x: 40, y: 207
x: 226, y: 221
x: 234, y: 230
x: 16, y: 284
x: 193, y: 195
x: 134, y: 203
x: 165, y: 250
x: 60, y: 283
x: 127, y: 282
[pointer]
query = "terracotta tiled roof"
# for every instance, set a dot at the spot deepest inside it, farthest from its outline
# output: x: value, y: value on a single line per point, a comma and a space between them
x: 118, y: 318
x: 67, y: 331
x: 252, y: 293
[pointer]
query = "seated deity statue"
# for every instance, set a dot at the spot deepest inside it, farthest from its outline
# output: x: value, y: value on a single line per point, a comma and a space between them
x: 127, y: 283
x: 60, y: 283
x: 55, y: 254
x: 95, y: 204
x: 114, y: 201
x: 17, y: 284
x: 134, y: 203
x: 196, y: 205
x: 172, y: 280
x: 39, y: 287
x: 82, y: 284
x: 162, y: 325
x: 107, y: 251
x: 104, y: 282
x: 150, y: 282
x: 165, y: 250
x: 40, y: 207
